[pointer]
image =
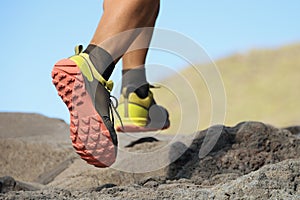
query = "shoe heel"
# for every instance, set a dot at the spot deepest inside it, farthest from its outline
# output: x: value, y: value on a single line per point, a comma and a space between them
x: 63, y: 79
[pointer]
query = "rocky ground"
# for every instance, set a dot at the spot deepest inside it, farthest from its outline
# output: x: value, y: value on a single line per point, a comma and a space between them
x: 251, y: 160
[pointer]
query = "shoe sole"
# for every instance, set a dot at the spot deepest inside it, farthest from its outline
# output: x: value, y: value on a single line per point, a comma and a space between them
x: 133, y: 128
x: 90, y: 137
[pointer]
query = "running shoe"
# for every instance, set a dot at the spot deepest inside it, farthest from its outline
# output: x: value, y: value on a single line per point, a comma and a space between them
x: 140, y: 114
x: 87, y: 96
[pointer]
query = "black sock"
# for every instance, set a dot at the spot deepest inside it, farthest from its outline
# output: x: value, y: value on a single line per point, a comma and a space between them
x: 102, y: 60
x: 135, y: 81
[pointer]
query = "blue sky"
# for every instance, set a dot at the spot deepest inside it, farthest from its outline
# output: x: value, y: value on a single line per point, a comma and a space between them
x: 35, y: 34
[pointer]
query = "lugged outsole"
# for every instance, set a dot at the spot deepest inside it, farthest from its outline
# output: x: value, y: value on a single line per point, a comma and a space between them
x: 90, y: 137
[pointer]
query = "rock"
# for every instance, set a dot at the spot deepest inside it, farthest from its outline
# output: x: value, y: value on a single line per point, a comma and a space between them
x: 105, y: 186
x: 276, y: 181
x: 8, y: 184
x: 238, y: 151
x: 293, y: 129
x: 251, y: 160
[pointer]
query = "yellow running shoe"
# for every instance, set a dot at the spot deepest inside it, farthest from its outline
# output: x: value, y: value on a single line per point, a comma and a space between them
x: 141, y: 114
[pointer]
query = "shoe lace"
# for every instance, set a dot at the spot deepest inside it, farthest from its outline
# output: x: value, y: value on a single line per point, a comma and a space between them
x: 113, y: 104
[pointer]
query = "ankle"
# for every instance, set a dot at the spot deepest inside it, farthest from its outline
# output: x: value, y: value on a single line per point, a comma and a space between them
x: 135, y: 81
x: 101, y: 59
